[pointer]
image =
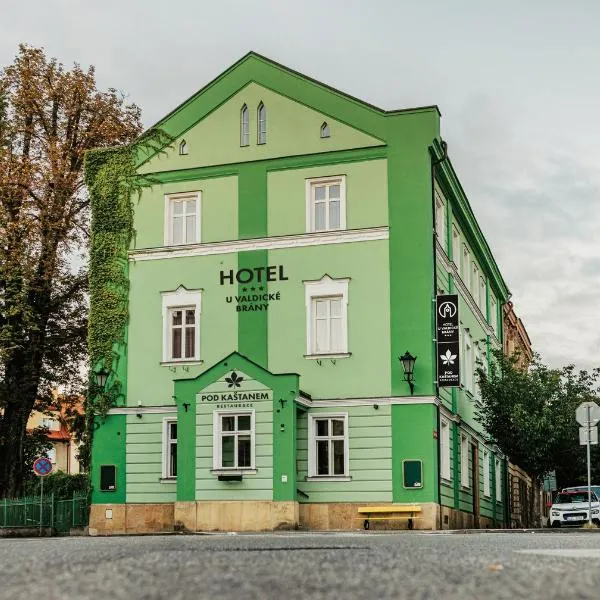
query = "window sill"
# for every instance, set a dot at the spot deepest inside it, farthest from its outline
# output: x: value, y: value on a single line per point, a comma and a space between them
x: 168, y: 480
x: 328, y: 478
x: 181, y: 363
x: 233, y: 471
x: 465, y: 488
x: 446, y: 480
x: 332, y: 355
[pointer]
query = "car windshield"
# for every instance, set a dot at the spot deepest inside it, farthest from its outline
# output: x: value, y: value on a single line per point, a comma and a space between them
x: 570, y: 497
x: 595, y: 489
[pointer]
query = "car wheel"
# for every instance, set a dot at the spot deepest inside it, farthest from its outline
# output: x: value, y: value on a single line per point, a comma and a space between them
x: 555, y: 524
x: 596, y: 522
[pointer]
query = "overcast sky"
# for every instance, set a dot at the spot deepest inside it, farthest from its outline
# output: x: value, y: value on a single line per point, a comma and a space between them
x: 516, y: 81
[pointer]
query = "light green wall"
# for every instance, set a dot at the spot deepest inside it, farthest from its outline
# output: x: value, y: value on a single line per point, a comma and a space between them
x: 148, y: 380
x: 252, y: 487
x: 144, y: 459
x: 366, y: 372
x: 370, y: 457
x: 366, y: 195
x: 292, y: 129
x: 219, y: 200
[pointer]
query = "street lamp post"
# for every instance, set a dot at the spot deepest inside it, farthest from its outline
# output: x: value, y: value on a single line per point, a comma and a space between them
x: 408, y: 365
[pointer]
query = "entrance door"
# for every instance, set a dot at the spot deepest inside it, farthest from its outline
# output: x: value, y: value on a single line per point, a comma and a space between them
x: 475, y: 484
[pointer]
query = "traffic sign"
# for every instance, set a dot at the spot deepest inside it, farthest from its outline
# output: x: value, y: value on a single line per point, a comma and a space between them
x: 583, y: 435
x: 42, y: 466
x: 585, y: 411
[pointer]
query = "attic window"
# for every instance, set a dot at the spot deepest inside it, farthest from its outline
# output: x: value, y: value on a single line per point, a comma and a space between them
x: 183, y: 147
x: 244, y: 126
x: 262, y: 124
x: 325, y: 133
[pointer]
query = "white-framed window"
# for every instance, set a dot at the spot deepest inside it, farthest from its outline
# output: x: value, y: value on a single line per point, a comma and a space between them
x: 261, y: 122
x: 326, y: 317
x: 469, y: 359
x: 498, y: 475
x: 244, y: 126
x: 474, y: 289
x: 486, y: 474
x: 326, y: 204
x: 181, y: 326
x: 456, y: 246
x: 445, y: 472
x: 325, y: 132
x: 465, y: 271
x: 182, y: 219
x: 169, y: 470
x: 50, y: 423
x: 493, y: 314
x: 328, y: 445
x: 234, y: 440
x: 482, y: 294
x: 440, y: 219
x: 183, y: 149
x: 464, y: 461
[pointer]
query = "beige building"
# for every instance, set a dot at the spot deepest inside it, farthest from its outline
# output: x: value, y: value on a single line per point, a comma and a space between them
x: 516, y: 339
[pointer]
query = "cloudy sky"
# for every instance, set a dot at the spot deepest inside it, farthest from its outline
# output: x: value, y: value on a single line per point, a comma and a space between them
x: 516, y: 81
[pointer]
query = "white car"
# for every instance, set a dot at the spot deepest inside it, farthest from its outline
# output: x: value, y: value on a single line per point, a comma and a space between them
x: 572, y: 508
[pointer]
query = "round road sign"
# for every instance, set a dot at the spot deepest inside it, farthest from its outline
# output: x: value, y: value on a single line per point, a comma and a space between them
x: 42, y: 466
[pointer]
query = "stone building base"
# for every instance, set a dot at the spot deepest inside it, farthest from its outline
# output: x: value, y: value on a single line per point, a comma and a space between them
x: 451, y: 518
x: 119, y: 519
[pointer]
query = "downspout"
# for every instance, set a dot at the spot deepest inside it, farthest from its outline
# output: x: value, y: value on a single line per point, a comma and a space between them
x: 434, y: 163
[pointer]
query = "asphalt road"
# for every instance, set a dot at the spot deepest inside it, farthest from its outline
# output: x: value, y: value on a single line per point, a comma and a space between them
x: 307, y: 566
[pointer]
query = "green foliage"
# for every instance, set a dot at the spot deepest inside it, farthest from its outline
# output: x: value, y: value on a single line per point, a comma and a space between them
x: 112, y: 183
x: 531, y: 414
x: 62, y: 485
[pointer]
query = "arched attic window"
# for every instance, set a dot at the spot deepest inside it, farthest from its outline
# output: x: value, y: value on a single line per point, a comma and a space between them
x: 325, y: 133
x: 183, y: 147
x: 244, y: 126
x: 261, y: 114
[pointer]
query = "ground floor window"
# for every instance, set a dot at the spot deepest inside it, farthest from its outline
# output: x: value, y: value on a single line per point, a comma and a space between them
x: 328, y: 442
x: 170, y: 449
x: 445, y: 470
x: 498, y: 473
x: 464, y: 461
x: 233, y: 441
x: 486, y: 474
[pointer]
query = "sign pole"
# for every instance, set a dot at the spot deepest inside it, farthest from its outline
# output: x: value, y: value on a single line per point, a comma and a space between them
x: 41, y: 502
x: 589, y: 468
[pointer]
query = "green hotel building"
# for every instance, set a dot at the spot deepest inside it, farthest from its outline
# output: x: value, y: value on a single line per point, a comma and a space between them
x: 287, y: 251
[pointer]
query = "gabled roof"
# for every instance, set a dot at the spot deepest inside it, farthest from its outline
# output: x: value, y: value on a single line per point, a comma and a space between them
x: 280, y: 79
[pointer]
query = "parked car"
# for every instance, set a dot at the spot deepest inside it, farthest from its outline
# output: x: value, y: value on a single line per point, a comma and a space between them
x: 571, y: 508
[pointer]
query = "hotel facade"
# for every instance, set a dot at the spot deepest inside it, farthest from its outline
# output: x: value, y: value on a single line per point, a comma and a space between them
x: 288, y: 252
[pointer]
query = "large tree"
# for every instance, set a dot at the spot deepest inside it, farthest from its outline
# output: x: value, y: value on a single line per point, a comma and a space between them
x: 49, y: 117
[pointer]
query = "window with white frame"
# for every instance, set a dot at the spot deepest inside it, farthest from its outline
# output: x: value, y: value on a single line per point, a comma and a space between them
x: 478, y: 365
x: 326, y: 316
x: 261, y: 121
x: 440, y: 219
x: 482, y: 294
x: 456, y: 246
x: 183, y: 148
x: 50, y: 423
x: 181, y: 325
x: 465, y: 272
x: 233, y: 440
x: 182, y: 219
x: 469, y: 359
x: 474, y: 289
x: 486, y: 474
x: 328, y: 443
x: 326, y: 204
x: 169, y: 448
x: 325, y: 132
x: 493, y: 314
x: 498, y: 474
x: 445, y: 450
x: 244, y: 126
x: 464, y: 461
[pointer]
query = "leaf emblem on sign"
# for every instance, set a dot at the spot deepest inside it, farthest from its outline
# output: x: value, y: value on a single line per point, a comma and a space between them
x: 448, y: 358
x: 234, y: 380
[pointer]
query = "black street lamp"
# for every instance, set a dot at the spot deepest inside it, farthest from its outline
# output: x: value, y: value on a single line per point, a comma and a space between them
x: 408, y: 364
x: 101, y: 377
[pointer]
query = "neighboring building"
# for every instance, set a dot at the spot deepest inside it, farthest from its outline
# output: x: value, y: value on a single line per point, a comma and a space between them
x: 64, y: 452
x: 516, y: 339
x: 288, y: 253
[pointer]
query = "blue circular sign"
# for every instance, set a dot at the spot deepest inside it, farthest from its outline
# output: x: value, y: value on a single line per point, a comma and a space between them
x: 42, y: 466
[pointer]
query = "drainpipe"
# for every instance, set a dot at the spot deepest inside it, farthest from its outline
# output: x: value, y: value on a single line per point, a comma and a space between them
x: 434, y: 163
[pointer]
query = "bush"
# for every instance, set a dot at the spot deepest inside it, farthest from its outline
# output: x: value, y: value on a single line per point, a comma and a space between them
x: 62, y: 485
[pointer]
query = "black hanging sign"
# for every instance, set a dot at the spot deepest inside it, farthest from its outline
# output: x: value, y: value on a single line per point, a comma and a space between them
x: 448, y: 340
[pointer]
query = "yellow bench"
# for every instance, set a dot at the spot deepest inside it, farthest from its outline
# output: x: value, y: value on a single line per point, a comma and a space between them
x: 402, y: 511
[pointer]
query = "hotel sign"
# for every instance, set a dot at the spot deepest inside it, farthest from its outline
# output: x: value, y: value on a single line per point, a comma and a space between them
x: 448, y: 340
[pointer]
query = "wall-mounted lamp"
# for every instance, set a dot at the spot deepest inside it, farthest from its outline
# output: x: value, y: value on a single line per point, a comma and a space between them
x: 408, y: 364
x: 101, y: 377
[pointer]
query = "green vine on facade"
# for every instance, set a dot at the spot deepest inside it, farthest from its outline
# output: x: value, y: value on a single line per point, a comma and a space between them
x: 112, y: 182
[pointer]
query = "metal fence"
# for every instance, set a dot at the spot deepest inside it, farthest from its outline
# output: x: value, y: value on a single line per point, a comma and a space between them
x: 61, y: 515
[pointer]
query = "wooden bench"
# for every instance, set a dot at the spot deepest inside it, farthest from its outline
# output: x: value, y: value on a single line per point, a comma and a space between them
x: 390, y: 512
